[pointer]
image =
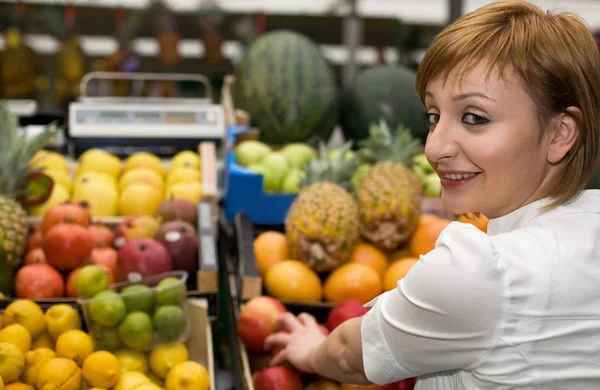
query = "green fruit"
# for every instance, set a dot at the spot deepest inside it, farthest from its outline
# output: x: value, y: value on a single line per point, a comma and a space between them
x: 334, y: 154
x: 169, y: 322
x: 107, y: 308
x: 136, y: 330
x: 170, y: 291
x: 421, y: 161
x: 106, y: 338
x: 432, y: 186
x: 298, y: 154
x: 138, y: 297
x: 292, y: 182
x: 90, y: 280
x: 288, y: 88
x: 251, y: 152
x: 358, y: 174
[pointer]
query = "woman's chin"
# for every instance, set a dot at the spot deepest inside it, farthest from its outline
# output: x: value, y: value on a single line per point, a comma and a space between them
x: 456, y: 206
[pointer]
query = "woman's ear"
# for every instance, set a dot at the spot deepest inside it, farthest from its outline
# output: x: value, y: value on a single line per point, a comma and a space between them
x: 564, y: 134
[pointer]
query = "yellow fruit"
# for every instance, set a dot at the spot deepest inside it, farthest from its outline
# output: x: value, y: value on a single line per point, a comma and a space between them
x: 141, y: 175
x: 34, y: 361
x: 139, y: 199
x: 61, y: 318
x: 1, y: 320
x: 62, y: 178
x: 156, y: 380
x: 94, y: 176
x: 18, y: 386
x: 370, y: 255
x: 101, y: 369
x: 102, y: 198
x: 188, y: 376
x: 99, y: 161
x: 132, y: 360
x: 12, y: 362
x: 17, y: 335
x: 186, y: 159
x: 74, y: 344
x: 130, y: 379
x: 43, y: 341
x: 183, y: 175
x: 1, y: 383
x: 293, y: 280
x: 59, y: 373
x: 27, y: 313
x: 146, y: 386
x: 191, y: 191
x: 47, y: 160
x: 145, y: 160
x: 59, y: 195
x: 396, y: 271
x: 165, y: 357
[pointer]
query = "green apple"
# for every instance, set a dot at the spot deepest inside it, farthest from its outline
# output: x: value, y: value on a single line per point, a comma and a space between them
x: 276, y: 169
x: 270, y: 182
x: 432, y: 186
x: 251, y: 152
x: 291, y: 182
x: 298, y: 154
x: 421, y: 161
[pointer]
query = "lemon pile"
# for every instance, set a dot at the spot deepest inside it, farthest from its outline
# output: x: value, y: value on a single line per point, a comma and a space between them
x: 40, y: 351
x: 111, y: 187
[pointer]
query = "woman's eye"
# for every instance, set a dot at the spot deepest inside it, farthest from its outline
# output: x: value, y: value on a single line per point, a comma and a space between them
x: 474, y: 119
x: 432, y: 118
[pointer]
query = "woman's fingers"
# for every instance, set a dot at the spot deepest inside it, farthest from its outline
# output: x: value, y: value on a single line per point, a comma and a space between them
x: 288, y: 321
x: 307, y: 320
x: 279, y: 358
x: 279, y: 338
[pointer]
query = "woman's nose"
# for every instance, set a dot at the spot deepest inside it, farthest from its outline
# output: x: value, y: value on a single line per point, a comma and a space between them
x: 441, y: 143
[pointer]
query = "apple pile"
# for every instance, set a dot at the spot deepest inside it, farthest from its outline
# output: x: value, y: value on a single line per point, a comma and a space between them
x: 432, y: 186
x: 258, y: 319
x: 67, y: 239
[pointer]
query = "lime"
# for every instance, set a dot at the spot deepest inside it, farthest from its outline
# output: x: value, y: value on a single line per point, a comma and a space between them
x: 170, y: 292
x: 106, y: 338
x: 169, y: 322
x: 90, y: 280
x: 107, y: 308
x: 138, y: 297
x: 136, y: 330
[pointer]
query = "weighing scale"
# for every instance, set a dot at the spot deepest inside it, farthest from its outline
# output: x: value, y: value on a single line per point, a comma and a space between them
x: 162, y: 126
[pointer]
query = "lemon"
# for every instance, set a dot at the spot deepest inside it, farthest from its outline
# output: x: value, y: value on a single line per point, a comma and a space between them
x: 186, y: 159
x: 1, y: 383
x: 156, y: 380
x: 34, y: 360
x: 145, y: 160
x: 49, y: 161
x: 74, y: 344
x: 18, y: 386
x: 132, y: 360
x: 146, y: 386
x: 12, y: 362
x: 165, y: 357
x: 43, y: 341
x: 141, y: 175
x: 59, y: 373
x: 188, y: 376
x: 58, y: 195
x: 139, y: 199
x: 101, y: 197
x: 27, y: 313
x: 1, y: 320
x: 99, y: 161
x: 130, y: 380
x: 62, y: 178
x: 93, y: 176
x: 17, y: 335
x: 183, y: 175
x: 191, y: 191
x: 101, y: 369
x: 61, y: 318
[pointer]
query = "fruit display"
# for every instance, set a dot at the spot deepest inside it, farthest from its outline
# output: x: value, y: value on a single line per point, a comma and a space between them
x: 67, y: 239
x: 111, y: 187
x: 287, y: 87
x: 51, y: 350
x: 257, y: 320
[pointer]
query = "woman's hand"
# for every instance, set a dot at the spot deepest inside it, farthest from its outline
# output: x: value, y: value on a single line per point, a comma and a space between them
x: 298, y: 345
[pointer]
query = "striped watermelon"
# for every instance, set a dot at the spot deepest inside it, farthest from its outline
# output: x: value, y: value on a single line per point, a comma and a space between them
x: 288, y: 88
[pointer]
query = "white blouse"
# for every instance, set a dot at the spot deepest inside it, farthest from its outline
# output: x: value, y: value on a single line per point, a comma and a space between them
x: 518, y: 308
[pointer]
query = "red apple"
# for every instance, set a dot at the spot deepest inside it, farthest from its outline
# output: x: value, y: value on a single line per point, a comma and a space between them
x: 144, y: 256
x: 102, y: 235
x: 344, y: 311
x: 406, y: 384
x: 181, y: 240
x: 323, y: 384
x: 277, y: 378
x: 258, y: 320
x: 177, y: 209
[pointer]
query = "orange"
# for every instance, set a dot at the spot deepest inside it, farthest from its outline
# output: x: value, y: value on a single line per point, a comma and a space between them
x: 396, y: 271
x: 364, y: 253
x: 352, y: 281
x: 293, y: 280
x: 424, y: 238
x: 269, y: 249
x: 480, y: 221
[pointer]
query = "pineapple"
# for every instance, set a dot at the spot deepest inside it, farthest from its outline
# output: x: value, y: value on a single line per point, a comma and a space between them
x: 389, y: 193
x: 15, y: 153
x: 322, y: 224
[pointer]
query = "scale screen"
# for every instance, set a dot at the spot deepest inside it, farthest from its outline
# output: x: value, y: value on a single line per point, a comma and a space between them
x: 180, y: 117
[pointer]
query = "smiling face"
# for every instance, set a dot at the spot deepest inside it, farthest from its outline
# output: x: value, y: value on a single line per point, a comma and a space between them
x: 485, y: 142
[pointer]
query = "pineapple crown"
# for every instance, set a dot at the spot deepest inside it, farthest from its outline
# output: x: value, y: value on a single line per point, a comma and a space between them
x: 383, y: 145
x: 15, y: 153
x: 337, y: 169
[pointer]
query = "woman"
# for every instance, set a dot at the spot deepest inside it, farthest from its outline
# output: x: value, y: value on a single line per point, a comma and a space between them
x: 513, y: 100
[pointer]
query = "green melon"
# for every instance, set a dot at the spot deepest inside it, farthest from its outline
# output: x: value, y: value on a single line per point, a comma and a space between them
x: 382, y: 92
x: 288, y: 88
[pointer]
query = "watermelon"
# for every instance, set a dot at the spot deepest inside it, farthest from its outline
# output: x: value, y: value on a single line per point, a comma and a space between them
x: 382, y: 92
x: 288, y: 88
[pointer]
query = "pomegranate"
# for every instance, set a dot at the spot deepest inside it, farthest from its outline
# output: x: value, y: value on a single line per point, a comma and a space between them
x: 101, y: 235
x: 177, y: 209
x: 67, y: 245
x: 145, y: 256
x: 39, y: 281
x: 181, y: 240
x: 107, y: 257
x: 35, y: 238
x: 35, y: 256
x: 77, y: 213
